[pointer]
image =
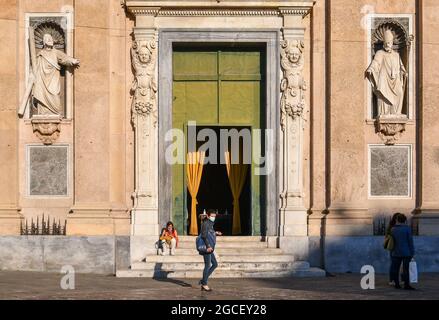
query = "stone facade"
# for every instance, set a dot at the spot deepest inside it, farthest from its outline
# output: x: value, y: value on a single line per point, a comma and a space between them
x: 337, y: 166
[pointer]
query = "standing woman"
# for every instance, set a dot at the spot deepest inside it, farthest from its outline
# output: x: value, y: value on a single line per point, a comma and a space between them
x: 208, y: 234
x: 403, y: 251
x: 389, y: 245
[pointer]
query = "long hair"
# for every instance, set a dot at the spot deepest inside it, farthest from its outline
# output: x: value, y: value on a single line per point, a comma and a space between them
x: 170, y: 224
x: 393, y: 220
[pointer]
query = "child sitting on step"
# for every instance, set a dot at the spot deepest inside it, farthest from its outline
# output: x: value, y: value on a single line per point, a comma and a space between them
x: 168, y: 239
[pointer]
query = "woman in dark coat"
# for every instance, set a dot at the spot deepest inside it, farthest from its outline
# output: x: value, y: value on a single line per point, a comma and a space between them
x: 403, y: 251
x: 208, y: 234
x: 392, y: 223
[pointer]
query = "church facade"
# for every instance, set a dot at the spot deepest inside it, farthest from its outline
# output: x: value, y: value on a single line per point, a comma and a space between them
x: 109, y: 106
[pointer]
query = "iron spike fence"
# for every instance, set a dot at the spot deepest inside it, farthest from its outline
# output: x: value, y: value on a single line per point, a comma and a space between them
x: 45, y: 229
x: 381, y: 222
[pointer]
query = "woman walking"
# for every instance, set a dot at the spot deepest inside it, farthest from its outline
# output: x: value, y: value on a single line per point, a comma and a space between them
x: 208, y: 234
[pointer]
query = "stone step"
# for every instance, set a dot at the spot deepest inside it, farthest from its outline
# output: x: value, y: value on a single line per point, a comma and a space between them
x: 223, y: 258
x: 294, y: 272
x: 226, y: 244
x: 233, y: 251
x: 227, y: 238
x: 233, y: 266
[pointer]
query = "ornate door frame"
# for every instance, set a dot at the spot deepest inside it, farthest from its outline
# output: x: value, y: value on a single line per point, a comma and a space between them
x: 270, y: 39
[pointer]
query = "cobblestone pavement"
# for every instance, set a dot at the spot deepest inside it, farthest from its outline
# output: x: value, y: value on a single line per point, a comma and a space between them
x: 33, y: 285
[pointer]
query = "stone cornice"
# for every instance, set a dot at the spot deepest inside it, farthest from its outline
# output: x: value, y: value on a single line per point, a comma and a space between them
x: 201, y: 12
x: 221, y: 8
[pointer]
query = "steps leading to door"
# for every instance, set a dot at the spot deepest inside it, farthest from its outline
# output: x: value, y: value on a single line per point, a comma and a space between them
x: 238, y: 257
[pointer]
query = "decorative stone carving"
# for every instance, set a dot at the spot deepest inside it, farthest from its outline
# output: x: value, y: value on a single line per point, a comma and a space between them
x: 389, y: 71
x: 45, y: 85
x: 46, y: 129
x: 388, y: 76
x: 218, y: 12
x: 390, y: 129
x: 144, y: 88
x: 293, y: 83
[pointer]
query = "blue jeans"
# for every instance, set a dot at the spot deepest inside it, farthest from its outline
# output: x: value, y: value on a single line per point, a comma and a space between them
x: 210, y: 265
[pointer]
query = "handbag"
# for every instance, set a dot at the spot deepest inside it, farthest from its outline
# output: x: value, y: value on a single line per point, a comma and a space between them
x: 200, y: 245
x: 389, y: 242
x: 413, y: 271
x: 166, y: 238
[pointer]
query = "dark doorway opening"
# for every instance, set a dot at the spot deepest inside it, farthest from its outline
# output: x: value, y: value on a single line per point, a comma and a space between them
x: 215, y: 192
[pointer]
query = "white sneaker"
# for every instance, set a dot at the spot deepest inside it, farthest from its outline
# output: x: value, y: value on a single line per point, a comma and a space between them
x: 172, y: 253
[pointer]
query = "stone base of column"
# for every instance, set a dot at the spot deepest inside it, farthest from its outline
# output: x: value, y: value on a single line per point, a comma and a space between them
x: 10, y: 221
x: 295, y: 222
x: 427, y: 221
x: 317, y: 222
x: 122, y: 221
x: 86, y: 220
x: 145, y: 230
x: 145, y: 222
x: 298, y: 246
x: 348, y: 222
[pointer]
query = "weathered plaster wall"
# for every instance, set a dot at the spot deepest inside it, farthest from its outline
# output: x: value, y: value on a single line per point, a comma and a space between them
x: 9, y: 213
x: 99, y: 135
x: 429, y: 108
x: 50, y: 253
x: 350, y: 254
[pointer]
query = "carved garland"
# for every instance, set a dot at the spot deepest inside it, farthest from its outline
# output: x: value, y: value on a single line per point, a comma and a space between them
x: 144, y: 88
x: 47, y: 130
x: 293, y: 83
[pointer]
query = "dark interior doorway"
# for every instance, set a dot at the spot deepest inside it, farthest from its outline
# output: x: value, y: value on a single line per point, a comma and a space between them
x: 215, y: 193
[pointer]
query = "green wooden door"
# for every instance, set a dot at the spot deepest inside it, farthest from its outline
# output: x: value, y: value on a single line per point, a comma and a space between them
x: 215, y: 88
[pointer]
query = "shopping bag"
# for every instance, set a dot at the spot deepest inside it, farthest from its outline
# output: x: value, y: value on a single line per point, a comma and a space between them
x: 413, y: 271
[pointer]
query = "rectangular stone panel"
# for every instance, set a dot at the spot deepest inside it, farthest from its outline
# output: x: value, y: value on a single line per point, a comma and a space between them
x: 390, y: 171
x: 47, y: 170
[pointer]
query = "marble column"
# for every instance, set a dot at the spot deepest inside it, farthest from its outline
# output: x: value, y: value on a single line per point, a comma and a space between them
x: 144, y: 215
x: 293, y: 214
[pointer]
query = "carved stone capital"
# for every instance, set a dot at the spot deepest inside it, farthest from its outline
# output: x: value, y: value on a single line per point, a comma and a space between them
x: 47, y: 129
x: 390, y: 129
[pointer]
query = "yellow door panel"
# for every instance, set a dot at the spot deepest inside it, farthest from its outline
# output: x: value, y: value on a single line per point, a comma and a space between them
x: 197, y: 65
x: 239, y: 102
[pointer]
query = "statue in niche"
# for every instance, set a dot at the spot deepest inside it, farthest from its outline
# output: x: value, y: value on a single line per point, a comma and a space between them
x: 388, y: 78
x: 47, y: 87
x: 144, y: 88
x: 293, y: 83
x: 45, y: 77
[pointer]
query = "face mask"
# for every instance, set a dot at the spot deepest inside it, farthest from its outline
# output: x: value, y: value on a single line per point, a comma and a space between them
x: 212, y: 219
